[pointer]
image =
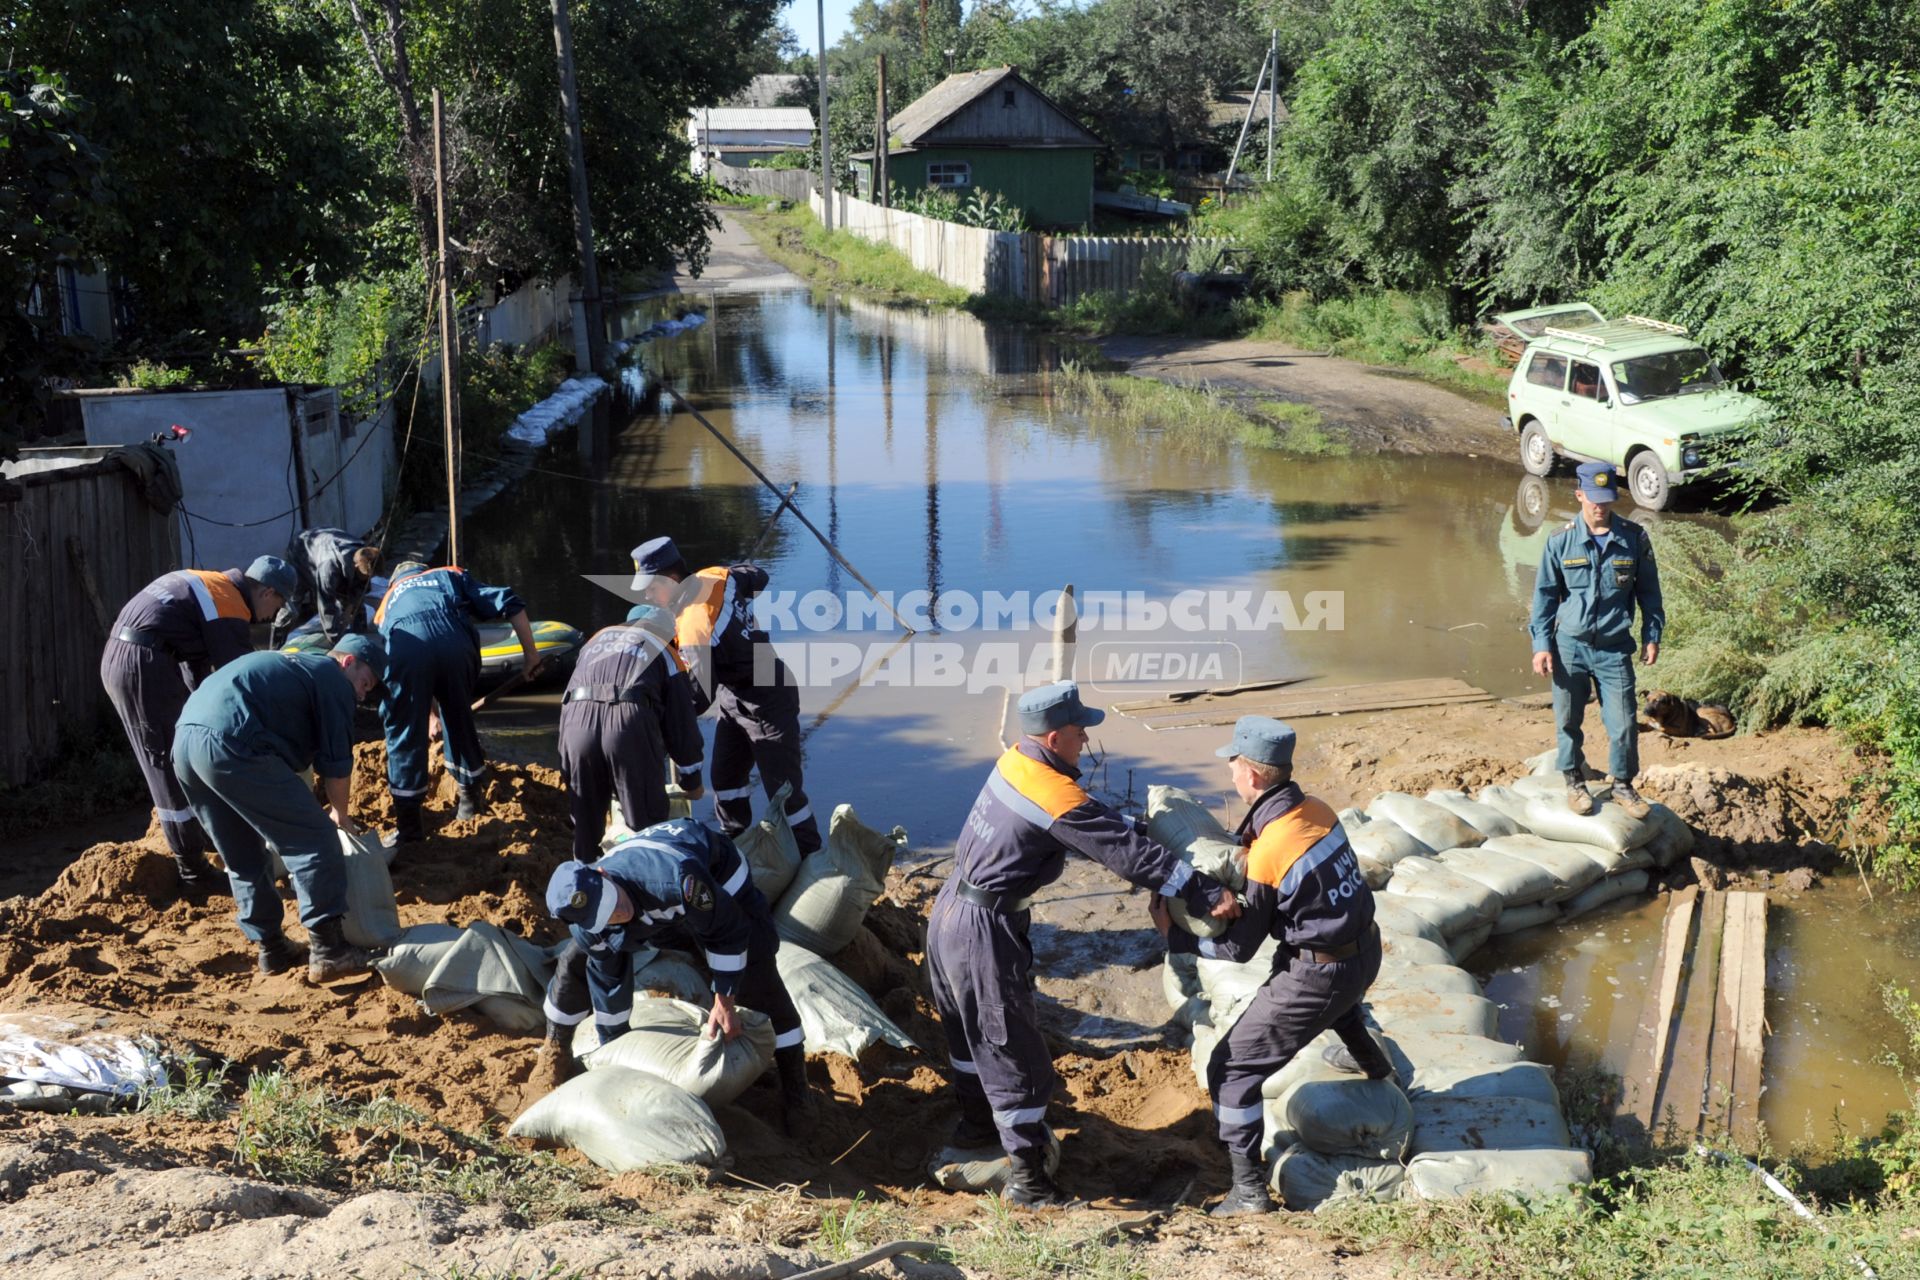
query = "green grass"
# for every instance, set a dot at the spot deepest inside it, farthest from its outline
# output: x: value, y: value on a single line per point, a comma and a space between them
x: 1010, y: 1248
x: 195, y: 1090
x: 1199, y: 419
x: 795, y: 239
x: 1398, y: 330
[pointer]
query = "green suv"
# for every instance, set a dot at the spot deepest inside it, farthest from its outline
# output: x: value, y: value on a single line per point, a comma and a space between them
x: 1631, y: 392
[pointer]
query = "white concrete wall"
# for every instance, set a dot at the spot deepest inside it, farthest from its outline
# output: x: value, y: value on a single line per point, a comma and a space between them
x: 537, y: 312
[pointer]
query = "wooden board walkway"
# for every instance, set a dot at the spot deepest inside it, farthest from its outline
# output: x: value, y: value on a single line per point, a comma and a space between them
x: 1197, y: 711
x: 1695, y: 1060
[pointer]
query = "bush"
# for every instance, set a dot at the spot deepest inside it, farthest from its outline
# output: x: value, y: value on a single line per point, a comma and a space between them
x: 348, y: 336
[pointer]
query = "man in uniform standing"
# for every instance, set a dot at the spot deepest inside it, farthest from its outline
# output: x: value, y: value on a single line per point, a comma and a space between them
x: 687, y: 878
x: 628, y: 707
x: 433, y: 656
x: 335, y: 569
x: 1303, y: 888
x: 1029, y: 816
x: 180, y: 628
x: 244, y: 737
x: 1592, y: 574
x: 734, y: 667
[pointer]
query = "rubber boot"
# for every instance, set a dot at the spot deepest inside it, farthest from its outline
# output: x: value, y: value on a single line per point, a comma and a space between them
x: 555, y: 1065
x: 407, y: 827
x: 976, y: 1128
x: 796, y: 1095
x: 198, y: 876
x: 329, y: 955
x: 1341, y: 1058
x: 1030, y: 1186
x: 278, y: 954
x: 1630, y: 800
x: 1579, y: 799
x: 1248, y: 1195
x: 472, y: 804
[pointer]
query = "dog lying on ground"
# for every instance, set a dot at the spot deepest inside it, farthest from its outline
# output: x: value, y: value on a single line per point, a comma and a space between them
x: 1679, y: 717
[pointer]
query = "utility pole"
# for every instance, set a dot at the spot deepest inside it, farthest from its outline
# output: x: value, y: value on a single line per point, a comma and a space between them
x: 1273, y: 96
x: 883, y: 195
x: 582, y: 211
x: 1253, y: 101
x: 826, y: 144
x: 449, y: 335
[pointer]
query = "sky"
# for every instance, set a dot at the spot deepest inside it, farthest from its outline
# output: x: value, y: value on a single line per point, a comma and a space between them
x: 803, y: 17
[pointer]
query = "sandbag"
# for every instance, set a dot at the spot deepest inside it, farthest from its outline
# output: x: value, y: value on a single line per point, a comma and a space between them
x: 1308, y: 1101
x: 1413, y: 949
x: 1180, y: 978
x: 1527, y: 1080
x: 836, y: 1016
x: 673, y: 974
x: 1430, y: 824
x: 372, y: 919
x: 1305, y: 1180
x: 622, y: 1120
x: 1398, y: 915
x: 1518, y: 882
x: 669, y: 1040
x: 1541, y: 786
x: 1523, y: 1174
x: 1439, y: 979
x: 1531, y: 916
x: 678, y: 806
x: 1464, y: 902
x: 772, y: 854
x: 498, y: 974
x: 1443, y: 917
x: 411, y: 959
x: 982, y: 1168
x: 1625, y: 885
x: 1351, y: 819
x: 1178, y: 821
x: 1448, y: 1013
x: 1463, y: 945
x: 1417, y: 1054
x: 1544, y: 764
x: 1574, y: 866
x: 1485, y: 1124
x: 1608, y: 826
x: 1673, y: 838
x: 1484, y: 818
x: 1311, y: 1064
x: 1229, y: 986
x: 828, y: 900
x: 1385, y: 843
x: 1505, y: 800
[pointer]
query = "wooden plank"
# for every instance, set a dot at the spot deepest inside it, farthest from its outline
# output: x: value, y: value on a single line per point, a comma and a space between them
x: 1750, y: 1026
x: 1647, y: 1059
x: 1341, y: 696
x: 1305, y: 711
x: 1683, y: 1091
x: 1733, y: 957
x: 1187, y: 697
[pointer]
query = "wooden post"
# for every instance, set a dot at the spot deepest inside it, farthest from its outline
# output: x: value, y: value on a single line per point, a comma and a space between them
x: 577, y: 165
x: 1245, y: 124
x: 883, y: 195
x: 1066, y: 629
x: 826, y: 143
x: 1273, y: 97
x: 449, y: 334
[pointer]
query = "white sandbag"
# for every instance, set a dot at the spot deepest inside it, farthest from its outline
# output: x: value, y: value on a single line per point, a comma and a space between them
x: 1386, y: 843
x: 1627, y: 884
x: 1430, y: 824
x: 1180, y: 978
x: 410, y: 961
x: 1574, y: 866
x: 1413, y: 949
x: 1608, y: 826
x: 678, y: 806
x: 498, y: 974
x: 1673, y: 839
x: 1178, y: 821
x: 1417, y: 1054
x: 372, y: 919
x: 1505, y: 800
x: 1542, y: 765
x: 1439, y: 979
x: 1466, y: 902
x: 1527, y: 1080
x: 837, y: 883
x: 1446, y: 1013
x: 772, y: 854
x: 673, y: 974
x: 1351, y: 819
x: 981, y: 1168
x: 836, y: 1016
x: 1443, y: 916
x: 1527, y: 1175
x: 1485, y: 1124
x: 1484, y: 818
x: 1336, y: 1113
x: 1397, y: 915
x: 1543, y: 786
x: 1463, y: 945
x: 669, y: 1040
x: 624, y: 1120
x: 1531, y: 916
x: 1307, y: 1181
x: 1518, y: 882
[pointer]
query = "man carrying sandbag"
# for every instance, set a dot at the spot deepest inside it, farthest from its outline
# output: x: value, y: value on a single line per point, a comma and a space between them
x: 733, y: 667
x: 628, y: 707
x: 244, y: 737
x: 1303, y: 888
x: 1592, y: 574
x: 676, y: 876
x: 1029, y: 816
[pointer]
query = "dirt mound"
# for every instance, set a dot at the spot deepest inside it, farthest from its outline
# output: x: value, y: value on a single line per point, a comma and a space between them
x: 1744, y: 821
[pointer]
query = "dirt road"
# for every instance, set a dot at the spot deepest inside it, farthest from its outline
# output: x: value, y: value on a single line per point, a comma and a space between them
x: 734, y: 265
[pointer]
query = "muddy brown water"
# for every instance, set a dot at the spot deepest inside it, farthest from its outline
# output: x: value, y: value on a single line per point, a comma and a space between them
x: 942, y: 456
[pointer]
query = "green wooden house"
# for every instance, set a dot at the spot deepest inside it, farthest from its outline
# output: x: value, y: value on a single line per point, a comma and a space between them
x: 992, y: 131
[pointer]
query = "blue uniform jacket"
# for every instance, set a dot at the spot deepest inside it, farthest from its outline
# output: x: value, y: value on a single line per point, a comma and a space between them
x: 419, y: 600
x: 1578, y: 597
x: 630, y: 661
x: 716, y: 637
x: 297, y: 706
x: 202, y: 618
x: 325, y: 565
x: 681, y: 873
x: 1033, y: 811
x: 1303, y: 882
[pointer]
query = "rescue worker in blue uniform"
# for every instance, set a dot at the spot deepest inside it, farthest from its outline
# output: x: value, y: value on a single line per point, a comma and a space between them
x: 1592, y: 575
x: 759, y: 709
x: 335, y: 569
x: 244, y: 737
x: 1304, y: 889
x: 181, y: 628
x: 674, y: 880
x: 433, y: 656
x: 627, y: 709
x: 1029, y: 816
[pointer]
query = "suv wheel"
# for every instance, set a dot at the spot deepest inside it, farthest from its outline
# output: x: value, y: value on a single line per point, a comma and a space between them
x: 1536, y: 451
x: 1647, y: 481
x: 1530, y: 502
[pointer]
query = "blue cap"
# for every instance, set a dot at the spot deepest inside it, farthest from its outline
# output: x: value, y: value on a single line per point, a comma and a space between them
x: 653, y: 558
x: 1261, y: 739
x: 276, y: 575
x: 1599, y: 482
x: 653, y: 619
x: 579, y: 894
x: 1054, y: 706
x: 366, y: 650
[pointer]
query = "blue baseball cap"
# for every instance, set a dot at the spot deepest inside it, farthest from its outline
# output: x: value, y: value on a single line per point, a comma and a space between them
x: 1599, y: 482
x: 578, y: 894
x: 653, y: 558
x: 1055, y: 706
x: 1261, y: 739
x: 653, y: 619
x: 366, y: 650
x: 275, y: 574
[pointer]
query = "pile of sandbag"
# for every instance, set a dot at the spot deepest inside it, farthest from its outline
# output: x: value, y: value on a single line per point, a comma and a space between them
x: 498, y: 974
x: 827, y: 898
x: 668, y: 1039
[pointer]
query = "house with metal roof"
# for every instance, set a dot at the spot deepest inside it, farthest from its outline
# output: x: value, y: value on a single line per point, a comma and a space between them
x: 992, y: 131
x: 740, y: 135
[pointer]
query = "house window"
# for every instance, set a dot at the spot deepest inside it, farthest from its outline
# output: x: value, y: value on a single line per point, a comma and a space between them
x: 1006, y: 97
x: 950, y: 175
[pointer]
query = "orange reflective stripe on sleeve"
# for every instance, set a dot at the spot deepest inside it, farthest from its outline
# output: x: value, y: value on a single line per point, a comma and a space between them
x: 1048, y: 789
x: 1287, y: 839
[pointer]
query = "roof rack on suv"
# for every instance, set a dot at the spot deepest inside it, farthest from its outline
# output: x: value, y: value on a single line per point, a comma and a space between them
x: 1661, y: 325
x: 1625, y: 329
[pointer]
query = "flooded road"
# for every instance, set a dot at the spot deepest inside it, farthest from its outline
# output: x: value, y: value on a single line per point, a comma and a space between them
x: 944, y: 459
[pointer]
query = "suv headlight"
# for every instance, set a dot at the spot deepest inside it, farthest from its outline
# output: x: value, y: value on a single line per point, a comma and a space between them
x: 1689, y: 455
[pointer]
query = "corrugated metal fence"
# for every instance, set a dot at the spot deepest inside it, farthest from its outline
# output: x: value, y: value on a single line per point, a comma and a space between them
x: 77, y: 543
x: 1050, y: 270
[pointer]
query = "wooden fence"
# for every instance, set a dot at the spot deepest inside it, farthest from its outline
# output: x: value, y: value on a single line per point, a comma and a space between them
x: 1050, y: 270
x: 76, y: 543
x: 788, y: 184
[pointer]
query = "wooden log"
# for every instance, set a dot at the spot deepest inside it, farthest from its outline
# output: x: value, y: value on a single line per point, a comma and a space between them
x: 1683, y: 1091
x: 1718, y: 1114
x: 1647, y: 1058
x: 1387, y: 696
x: 1750, y: 1025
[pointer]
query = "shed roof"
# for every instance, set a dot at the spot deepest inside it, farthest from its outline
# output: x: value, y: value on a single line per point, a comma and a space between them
x: 737, y: 118
x: 913, y: 125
